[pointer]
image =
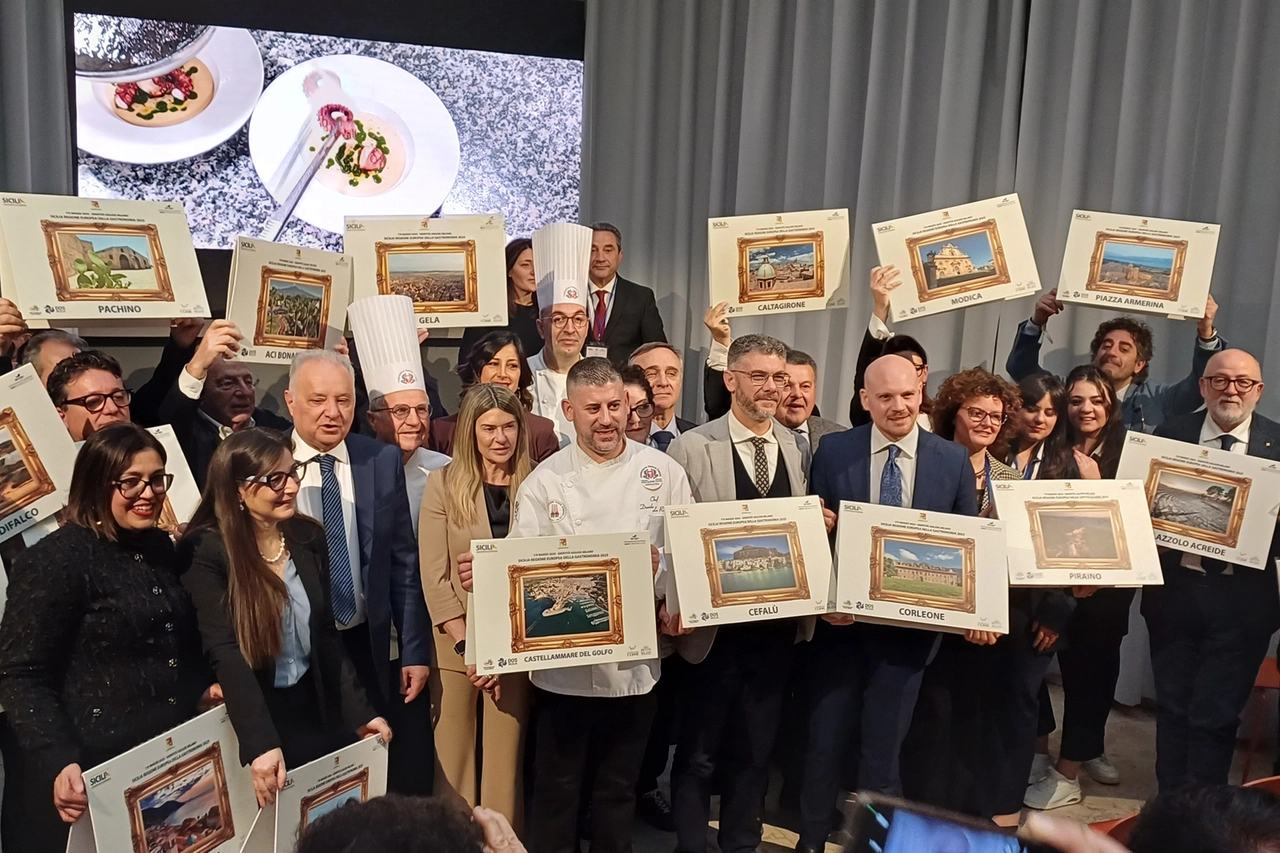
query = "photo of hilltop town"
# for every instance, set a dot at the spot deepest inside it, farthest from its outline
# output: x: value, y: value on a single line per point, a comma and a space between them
x: 781, y: 269
x: 1135, y: 265
x: 428, y: 276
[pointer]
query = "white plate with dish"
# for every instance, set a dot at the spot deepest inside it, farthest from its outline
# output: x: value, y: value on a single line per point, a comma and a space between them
x: 230, y: 60
x: 421, y: 141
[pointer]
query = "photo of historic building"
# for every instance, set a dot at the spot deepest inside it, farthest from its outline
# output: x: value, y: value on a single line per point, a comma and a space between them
x: 923, y: 569
x: 957, y: 260
x: 754, y: 563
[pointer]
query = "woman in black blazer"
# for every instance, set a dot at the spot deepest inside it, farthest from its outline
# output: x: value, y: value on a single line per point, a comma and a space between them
x: 258, y: 574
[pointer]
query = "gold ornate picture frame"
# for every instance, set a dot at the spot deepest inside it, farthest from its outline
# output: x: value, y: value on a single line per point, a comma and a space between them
x: 1173, y: 502
x: 210, y: 761
x: 924, y: 270
x: 920, y: 584
x: 747, y: 536
x: 21, y: 464
x: 469, y: 299
x: 1102, y: 271
x: 589, y: 590
x: 65, y: 245
x: 751, y: 247
x: 1059, y: 546
x: 312, y: 803
x: 264, y: 334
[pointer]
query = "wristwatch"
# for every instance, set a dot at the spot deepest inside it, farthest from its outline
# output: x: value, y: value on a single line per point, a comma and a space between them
x: 460, y: 648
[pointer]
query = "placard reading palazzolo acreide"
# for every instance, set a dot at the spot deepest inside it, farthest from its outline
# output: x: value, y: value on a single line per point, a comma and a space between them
x: 743, y: 561
x: 958, y: 256
x: 1204, y: 500
x: 452, y: 267
x: 36, y: 453
x: 549, y: 602
x: 922, y: 569
x: 778, y: 263
x: 1138, y: 263
x: 1077, y: 533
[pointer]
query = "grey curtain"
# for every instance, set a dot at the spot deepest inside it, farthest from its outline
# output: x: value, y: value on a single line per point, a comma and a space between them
x: 35, y: 130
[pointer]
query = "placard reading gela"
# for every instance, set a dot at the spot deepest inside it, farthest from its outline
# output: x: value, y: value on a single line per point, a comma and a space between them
x: 922, y: 569
x: 67, y: 258
x: 743, y: 561
x: 285, y: 299
x: 958, y: 256
x: 184, y: 790
x: 550, y: 602
x: 1077, y: 533
x: 36, y: 453
x: 778, y: 263
x: 1138, y: 263
x: 1206, y: 501
x: 452, y: 267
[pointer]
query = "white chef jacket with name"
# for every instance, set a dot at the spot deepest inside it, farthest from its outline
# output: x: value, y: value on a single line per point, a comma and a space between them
x: 569, y: 494
x: 420, y: 464
x: 549, y: 388
x: 309, y: 503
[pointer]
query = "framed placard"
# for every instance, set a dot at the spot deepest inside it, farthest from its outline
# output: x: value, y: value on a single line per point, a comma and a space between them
x: 1138, y: 263
x: 1077, y: 532
x: 183, y: 497
x: 779, y: 263
x: 743, y: 561
x: 36, y: 453
x: 958, y: 256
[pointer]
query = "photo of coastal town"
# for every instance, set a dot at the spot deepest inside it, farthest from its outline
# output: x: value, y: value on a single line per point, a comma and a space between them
x: 755, y: 563
x: 572, y: 605
x: 1200, y: 504
x: 186, y: 808
x: 925, y: 569
x: 1147, y: 267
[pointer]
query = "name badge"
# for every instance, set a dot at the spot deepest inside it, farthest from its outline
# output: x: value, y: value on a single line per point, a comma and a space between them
x: 597, y: 351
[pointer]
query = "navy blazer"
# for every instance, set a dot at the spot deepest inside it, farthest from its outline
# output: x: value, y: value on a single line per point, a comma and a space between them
x: 388, y: 555
x: 633, y: 320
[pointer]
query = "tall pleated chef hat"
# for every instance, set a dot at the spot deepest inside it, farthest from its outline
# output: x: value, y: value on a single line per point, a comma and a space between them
x: 561, y: 261
x: 386, y: 334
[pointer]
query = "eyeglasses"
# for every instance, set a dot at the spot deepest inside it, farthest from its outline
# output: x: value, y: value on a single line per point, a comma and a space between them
x: 132, y: 487
x: 759, y: 377
x: 401, y: 412
x: 559, y: 321
x: 231, y: 383
x: 95, y: 403
x: 276, y: 481
x: 1243, y: 384
x: 644, y: 410
x: 976, y: 416
x: 920, y: 368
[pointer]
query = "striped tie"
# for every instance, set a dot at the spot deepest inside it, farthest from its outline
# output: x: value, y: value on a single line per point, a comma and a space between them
x: 341, y: 580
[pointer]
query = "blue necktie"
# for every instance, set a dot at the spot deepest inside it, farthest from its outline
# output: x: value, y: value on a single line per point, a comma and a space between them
x: 891, y: 479
x: 335, y: 530
x: 662, y: 439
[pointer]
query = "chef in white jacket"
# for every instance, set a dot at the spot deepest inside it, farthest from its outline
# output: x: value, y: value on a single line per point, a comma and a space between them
x: 561, y: 262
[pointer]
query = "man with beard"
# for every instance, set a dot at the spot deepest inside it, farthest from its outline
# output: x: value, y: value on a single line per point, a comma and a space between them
x: 734, y: 690
x: 1122, y: 348
x: 561, y: 260
x: 1211, y: 622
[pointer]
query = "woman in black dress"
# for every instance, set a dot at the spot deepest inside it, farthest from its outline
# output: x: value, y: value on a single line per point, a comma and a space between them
x: 98, y: 647
x: 258, y: 574
x: 522, y: 302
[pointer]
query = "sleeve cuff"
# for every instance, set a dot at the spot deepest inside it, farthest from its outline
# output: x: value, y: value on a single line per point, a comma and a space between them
x: 1031, y: 330
x: 878, y: 329
x: 1210, y: 344
x: 189, y: 385
x: 718, y: 358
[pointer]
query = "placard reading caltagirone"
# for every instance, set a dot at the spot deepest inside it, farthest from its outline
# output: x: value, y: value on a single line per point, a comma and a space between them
x: 452, y: 267
x: 36, y: 453
x: 1206, y: 501
x: 744, y: 561
x: 921, y: 569
x: 1077, y: 533
x: 778, y: 263
x: 549, y: 602
x: 958, y: 256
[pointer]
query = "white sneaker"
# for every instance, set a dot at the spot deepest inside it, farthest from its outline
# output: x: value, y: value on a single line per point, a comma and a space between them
x: 1039, y: 768
x: 1101, y: 770
x: 1052, y: 792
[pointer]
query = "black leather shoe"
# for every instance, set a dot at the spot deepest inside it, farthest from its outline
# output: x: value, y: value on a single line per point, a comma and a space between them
x: 652, y: 808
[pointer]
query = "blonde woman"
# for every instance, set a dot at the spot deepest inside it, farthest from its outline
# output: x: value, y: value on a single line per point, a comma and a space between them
x: 470, y: 498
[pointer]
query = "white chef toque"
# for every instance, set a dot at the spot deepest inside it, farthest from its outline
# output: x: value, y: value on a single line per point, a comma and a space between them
x: 386, y: 334
x: 561, y: 262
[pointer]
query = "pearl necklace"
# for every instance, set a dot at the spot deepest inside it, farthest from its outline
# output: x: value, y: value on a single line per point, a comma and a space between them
x: 279, y: 553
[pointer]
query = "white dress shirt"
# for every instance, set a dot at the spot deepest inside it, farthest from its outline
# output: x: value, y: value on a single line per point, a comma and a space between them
x: 309, y: 503
x: 743, y: 444
x: 420, y: 464
x: 585, y: 496
x: 906, y: 462
x: 672, y: 428
x: 1210, y: 435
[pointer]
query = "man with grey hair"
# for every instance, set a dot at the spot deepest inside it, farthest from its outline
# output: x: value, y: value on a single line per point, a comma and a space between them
x: 664, y: 368
x: 47, y: 347
x: 356, y: 486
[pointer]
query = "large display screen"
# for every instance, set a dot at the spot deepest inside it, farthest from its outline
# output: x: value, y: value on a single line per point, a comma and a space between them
x: 236, y: 122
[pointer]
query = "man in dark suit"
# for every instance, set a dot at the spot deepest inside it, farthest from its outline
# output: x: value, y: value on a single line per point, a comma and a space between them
x: 664, y: 368
x: 356, y: 486
x: 1211, y: 622
x: 623, y: 315
x: 865, y: 678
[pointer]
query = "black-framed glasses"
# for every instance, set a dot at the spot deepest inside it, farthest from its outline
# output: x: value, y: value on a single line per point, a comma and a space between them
x: 402, y: 411
x: 95, y: 403
x: 276, y: 481
x: 133, y: 487
x: 1243, y: 384
x: 644, y: 410
x: 559, y: 321
x: 976, y: 416
x: 759, y: 377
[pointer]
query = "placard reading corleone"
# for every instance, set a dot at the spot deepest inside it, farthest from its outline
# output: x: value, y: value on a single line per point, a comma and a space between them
x: 778, y: 263
x: 184, y: 790
x: 1137, y: 263
x: 744, y: 561
x: 452, y: 267
x: 934, y: 569
x: 555, y: 601
x: 1206, y: 501
x: 285, y: 299
x: 36, y: 453
x: 67, y: 258
x: 1077, y: 533
x: 959, y: 256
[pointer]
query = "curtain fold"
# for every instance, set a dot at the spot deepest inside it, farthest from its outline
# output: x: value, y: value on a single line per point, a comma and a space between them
x: 35, y: 132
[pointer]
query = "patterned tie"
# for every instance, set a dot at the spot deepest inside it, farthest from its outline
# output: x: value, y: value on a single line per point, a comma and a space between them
x: 341, y: 580
x: 762, y: 465
x: 891, y: 479
x: 1210, y: 565
x: 662, y: 439
x: 602, y: 310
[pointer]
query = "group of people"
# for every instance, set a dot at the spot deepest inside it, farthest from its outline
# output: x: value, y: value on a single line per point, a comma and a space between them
x: 321, y: 588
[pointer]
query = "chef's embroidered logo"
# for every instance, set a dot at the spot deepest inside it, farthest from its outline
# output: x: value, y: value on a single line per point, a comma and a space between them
x: 651, y: 478
x: 555, y: 511
x: 406, y: 377
x: 571, y: 292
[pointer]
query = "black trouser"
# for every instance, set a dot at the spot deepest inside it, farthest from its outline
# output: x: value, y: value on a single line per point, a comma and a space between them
x: 733, y: 703
x: 666, y: 719
x: 304, y: 737
x: 30, y: 822
x: 1090, y: 666
x: 411, y: 754
x: 613, y: 732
